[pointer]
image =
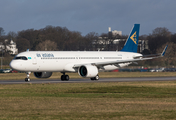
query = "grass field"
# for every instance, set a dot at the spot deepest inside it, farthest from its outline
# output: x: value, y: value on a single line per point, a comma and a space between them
x: 89, y: 101
x: 114, y: 100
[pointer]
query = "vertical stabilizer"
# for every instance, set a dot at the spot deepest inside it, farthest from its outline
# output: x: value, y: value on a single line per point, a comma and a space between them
x: 131, y: 44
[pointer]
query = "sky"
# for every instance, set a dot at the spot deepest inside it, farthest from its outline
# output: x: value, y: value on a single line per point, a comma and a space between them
x: 87, y: 16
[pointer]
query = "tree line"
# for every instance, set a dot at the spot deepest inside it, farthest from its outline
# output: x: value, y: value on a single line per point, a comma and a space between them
x: 58, y: 38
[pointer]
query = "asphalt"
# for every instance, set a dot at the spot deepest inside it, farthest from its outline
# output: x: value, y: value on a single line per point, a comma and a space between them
x: 39, y: 81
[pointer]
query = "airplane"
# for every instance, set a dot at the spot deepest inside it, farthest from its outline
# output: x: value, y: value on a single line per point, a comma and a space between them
x: 86, y: 63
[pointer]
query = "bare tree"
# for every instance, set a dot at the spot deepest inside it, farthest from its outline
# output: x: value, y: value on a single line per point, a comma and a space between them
x: 161, y: 31
x: 169, y: 58
x: 23, y: 44
x: 89, y: 39
x: 47, y: 45
x: 2, y: 33
x: 12, y: 35
x: 159, y: 37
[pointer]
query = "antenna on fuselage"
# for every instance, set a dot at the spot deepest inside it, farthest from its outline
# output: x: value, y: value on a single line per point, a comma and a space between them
x: 27, y: 50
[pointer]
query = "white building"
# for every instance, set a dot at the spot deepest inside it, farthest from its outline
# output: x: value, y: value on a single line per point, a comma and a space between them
x: 115, y: 32
x: 102, y: 42
x: 11, y: 48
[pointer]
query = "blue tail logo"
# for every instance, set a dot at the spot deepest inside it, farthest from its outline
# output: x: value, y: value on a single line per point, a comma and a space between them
x: 133, y: 38
x: 131, y: 44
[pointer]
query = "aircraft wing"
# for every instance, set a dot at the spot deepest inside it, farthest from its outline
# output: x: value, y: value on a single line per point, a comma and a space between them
x: 154, y: 55
x: 98, y: 64
x: 145, y: 57
x: 119, y: 61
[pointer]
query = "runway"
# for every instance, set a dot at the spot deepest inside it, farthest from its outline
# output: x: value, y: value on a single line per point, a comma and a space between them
x: 38, y: 81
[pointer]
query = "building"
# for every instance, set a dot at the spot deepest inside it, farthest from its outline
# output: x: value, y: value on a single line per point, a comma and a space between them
x: 115, y: 32
x: 113, y: 43
x: 10, y: 48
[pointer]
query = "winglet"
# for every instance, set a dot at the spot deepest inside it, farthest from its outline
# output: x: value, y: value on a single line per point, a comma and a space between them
x: 164, y: 51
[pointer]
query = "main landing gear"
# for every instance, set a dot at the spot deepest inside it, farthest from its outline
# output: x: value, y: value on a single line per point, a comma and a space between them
x: 64, y: 77
x: 27, y: 79
x: 95, y: 78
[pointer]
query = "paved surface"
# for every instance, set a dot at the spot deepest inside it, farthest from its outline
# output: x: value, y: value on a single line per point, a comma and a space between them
x: 33, y: 81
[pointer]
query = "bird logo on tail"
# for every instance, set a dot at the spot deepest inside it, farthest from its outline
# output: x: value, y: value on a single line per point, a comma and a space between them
x: 133, y: 38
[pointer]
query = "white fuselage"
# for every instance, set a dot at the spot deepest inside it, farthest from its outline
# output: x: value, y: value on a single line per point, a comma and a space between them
x: 55, y: 61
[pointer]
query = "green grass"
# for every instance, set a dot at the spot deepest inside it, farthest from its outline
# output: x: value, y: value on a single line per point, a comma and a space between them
x: 113, y: 100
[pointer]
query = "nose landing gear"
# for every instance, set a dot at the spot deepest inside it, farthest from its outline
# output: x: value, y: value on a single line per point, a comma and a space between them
x: 27, y: 79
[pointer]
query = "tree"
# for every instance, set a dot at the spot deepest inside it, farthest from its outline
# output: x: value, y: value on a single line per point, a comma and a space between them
x: 46, y: 45
x: 2, y: 33
x: 72, y: 41
x: 31, y: 35
x: 11, y: 35
x: 159, y: 37
x: 89, y: 38
x: 23, y: 44
x: 170, y: 55
x: 173, y: 38
x: 161, y: 31
x: 57, y: 34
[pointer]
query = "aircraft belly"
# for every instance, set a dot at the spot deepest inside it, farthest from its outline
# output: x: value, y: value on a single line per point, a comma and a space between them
x: 52, y: 66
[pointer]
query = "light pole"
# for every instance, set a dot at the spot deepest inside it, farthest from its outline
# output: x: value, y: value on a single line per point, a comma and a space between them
x: 1, y: 59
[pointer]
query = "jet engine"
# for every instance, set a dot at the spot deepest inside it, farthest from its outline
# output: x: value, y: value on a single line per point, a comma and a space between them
x: 88, y: 71
x: 42, y: 74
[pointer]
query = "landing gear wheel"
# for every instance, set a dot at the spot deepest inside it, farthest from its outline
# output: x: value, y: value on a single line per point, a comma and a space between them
x: 62, y: 77
x: 27, y: 79
x: 65, y: 78
x: 95, y: 78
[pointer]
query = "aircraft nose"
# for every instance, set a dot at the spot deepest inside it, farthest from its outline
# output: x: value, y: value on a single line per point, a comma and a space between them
x: 14, y: 65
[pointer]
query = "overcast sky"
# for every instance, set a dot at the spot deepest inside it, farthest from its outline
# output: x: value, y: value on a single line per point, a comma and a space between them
x: 88, y: 15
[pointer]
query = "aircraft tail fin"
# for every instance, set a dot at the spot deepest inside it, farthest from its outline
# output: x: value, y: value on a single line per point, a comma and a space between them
x: 131, y: 44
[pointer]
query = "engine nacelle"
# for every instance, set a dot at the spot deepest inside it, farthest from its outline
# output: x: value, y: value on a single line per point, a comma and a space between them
x: 42, y: 74
x: 88, y: 71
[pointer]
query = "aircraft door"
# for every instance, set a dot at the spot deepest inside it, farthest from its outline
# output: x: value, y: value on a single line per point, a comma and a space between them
x: 77, y: 57
x: 34, y: 59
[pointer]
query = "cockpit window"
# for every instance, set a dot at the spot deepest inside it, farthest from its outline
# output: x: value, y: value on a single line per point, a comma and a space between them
x: 20, y: 58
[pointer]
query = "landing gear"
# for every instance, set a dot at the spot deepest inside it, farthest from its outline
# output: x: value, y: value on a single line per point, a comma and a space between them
x: 64, y: 77
x: 95, y: 78
x: 27, y: 79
